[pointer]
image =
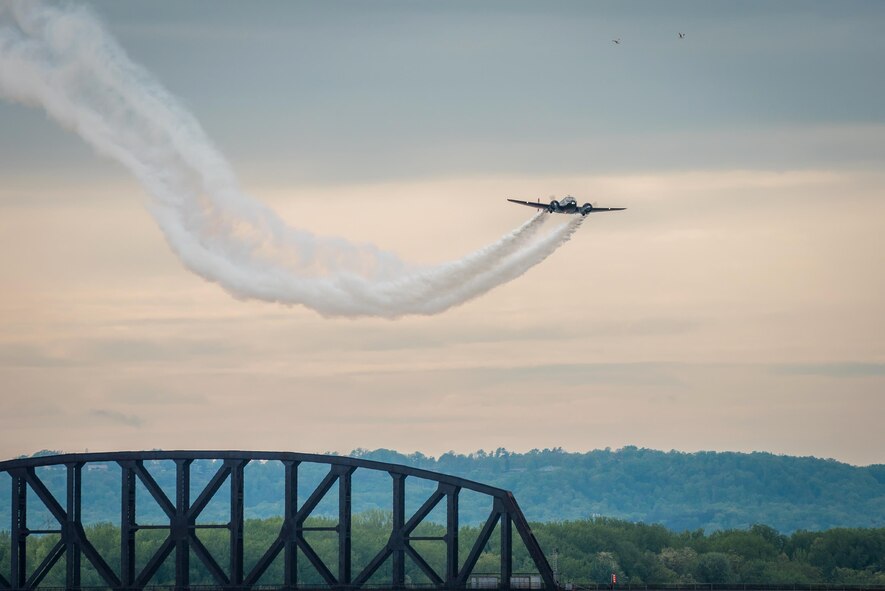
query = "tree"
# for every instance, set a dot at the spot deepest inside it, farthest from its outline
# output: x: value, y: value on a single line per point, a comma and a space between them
x: 714, y: 567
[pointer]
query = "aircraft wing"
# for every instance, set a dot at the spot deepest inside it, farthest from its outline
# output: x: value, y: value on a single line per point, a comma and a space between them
x: 595, y: 209
x: 530, y: 203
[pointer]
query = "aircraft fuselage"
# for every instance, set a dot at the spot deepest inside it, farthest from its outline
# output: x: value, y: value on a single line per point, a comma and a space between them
x: 568, y: 205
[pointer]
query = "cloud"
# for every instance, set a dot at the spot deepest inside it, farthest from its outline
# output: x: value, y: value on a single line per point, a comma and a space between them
x: 832, y: 370
x: 114, y: 350
x: 30, y: 355
x: 117, y: 417
x: 134, y: 392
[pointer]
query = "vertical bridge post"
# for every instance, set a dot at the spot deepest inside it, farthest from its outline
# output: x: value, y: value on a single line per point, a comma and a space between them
x: 70, y: 535
x: 181, y: 524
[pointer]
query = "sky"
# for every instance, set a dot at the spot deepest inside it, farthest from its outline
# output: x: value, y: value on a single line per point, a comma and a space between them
x: 735, y: 305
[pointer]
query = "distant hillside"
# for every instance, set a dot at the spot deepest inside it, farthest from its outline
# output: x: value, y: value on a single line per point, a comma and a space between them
x: 682, y: 491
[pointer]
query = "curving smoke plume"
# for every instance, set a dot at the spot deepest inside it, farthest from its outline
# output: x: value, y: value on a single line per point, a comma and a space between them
x: 63, y: 60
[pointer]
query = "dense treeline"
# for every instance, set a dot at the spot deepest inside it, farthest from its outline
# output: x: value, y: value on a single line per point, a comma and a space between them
x: 682, y: 491
x: 639, y: 553
x: 587, y: 551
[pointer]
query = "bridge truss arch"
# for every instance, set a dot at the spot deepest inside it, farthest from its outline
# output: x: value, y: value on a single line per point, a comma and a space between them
x: 182, y: 513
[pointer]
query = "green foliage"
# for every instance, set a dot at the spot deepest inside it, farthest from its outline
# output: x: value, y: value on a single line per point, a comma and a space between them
x: 588, y: 551
x: 641, y: 553
x: 714, y: 567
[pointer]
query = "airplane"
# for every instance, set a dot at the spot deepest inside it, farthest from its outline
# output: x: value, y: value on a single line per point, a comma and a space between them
x: 616, y: 41
x: 682, y: 35
x: 567, y: 205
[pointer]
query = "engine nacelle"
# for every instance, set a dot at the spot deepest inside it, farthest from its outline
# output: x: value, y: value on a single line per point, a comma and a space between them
x: 554, y: 206
x: 586, y: 208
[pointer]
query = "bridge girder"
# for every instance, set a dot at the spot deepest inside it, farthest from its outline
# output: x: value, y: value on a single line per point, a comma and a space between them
x: 182, y: 513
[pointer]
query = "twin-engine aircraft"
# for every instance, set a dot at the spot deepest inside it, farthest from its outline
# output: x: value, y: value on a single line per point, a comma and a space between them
x: 567, y: 205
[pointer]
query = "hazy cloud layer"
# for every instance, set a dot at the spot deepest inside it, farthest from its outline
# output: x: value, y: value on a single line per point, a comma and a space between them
x: 735, y: 305
x: 117, y: 417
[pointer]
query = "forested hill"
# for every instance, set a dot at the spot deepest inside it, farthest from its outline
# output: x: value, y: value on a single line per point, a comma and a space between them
x: 682, y: 491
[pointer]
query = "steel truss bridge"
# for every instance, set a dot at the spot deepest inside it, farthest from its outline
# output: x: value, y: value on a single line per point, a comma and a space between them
x: 182, y: 513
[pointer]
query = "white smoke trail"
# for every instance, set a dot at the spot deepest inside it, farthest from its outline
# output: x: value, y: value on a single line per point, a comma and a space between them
x: 62, y: 59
